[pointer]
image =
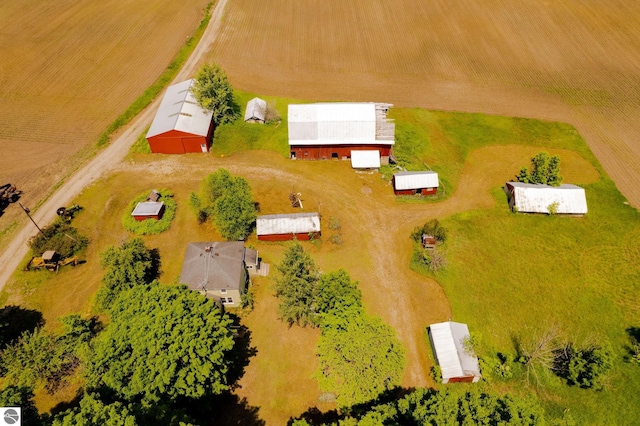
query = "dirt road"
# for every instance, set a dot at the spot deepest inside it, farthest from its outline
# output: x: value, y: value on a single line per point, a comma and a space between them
x: 103, y: 162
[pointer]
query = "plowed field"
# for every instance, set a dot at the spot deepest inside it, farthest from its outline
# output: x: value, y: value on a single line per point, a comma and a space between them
x: 572, y: 61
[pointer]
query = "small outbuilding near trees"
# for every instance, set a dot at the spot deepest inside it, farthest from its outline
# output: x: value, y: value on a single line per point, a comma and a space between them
x: 282, y: 227
x: 256, y: 111
x: 410, y: 183
x: 181, y: 125
x: 448, y: 342
x: 537, y: 198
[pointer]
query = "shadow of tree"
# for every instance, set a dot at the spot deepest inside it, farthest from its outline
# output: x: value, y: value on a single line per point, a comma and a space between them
x: 241, y: 354
x: 225, y: 409
x: 633, y: 349
x: 15, y: 320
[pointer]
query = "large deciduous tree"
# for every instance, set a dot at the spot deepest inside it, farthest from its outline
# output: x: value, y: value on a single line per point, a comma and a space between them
x: 163, y: 342
x: 93, y: 411
x: 214, y: 93
x: 337, y: 298
x: 360, y: 360
x: 126, y: 266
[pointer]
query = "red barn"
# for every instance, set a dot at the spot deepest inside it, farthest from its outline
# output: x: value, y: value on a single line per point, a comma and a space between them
x: 180, y: 125
x: 148, y: 210
x: 282, y: 227
x: 409, y: 183
x: 333, y: 130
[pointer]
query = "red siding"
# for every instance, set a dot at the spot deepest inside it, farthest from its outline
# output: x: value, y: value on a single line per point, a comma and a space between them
x: 157, y: 216
x: 467, y: 379
x: 326, y: 152
x: 286, y: 237
x: 420, y: 191
x: 177, y: 142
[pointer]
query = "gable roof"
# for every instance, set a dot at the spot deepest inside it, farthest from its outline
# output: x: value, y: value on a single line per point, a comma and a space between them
x: 448, y: 342
x: 292, y: 223
x: 256, y: 109
x: 214, y: 265
x: 536, y: 198
x: 365, y: 159
x: 363, y: 123
x: 179, y: 110
x: 147, y: 208
x: 415, y: 180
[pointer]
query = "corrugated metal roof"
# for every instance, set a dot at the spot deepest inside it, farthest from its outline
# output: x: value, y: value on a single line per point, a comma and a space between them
x: 294, y: 223
x: 365, y: 159
x: 147, y: 208
x: 213, y: 265
x: 533, y: 198
x: 179, y: 110
x: 339, y: 123
x: 256, y: 109
x: 415, y: 180
x: 448, y: 342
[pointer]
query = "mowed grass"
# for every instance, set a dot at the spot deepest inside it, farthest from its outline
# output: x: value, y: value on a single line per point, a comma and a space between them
x: 507, y: 273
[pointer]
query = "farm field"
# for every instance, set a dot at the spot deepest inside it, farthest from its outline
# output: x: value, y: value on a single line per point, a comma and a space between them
x: 69, y: 69
x: 569, y: 61
x: 376, y: 250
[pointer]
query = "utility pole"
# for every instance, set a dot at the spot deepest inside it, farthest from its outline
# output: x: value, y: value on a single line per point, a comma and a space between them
x: 27, y: 211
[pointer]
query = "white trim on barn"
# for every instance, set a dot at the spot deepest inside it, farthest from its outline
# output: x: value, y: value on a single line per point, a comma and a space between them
x: 404, y: 181
x: 536, y: 198
x: 455, y: 363
x: 337, y: 123
x: 179, y: 110
x: 293, y: 223
x: 365, y: 159
x: 256, y: 111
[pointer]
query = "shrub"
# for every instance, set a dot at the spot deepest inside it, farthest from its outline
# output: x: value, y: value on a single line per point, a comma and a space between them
x: 61, y: 237
x: 432, y: 227
x: 150, y: 226
x: 584, y: 367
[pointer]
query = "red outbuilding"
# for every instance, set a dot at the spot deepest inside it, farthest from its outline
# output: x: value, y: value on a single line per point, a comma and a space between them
x: 282, y: 227
x: 333, y: 130
x: 410, y: 183
x: 148, y: 210
x: 181, y: 125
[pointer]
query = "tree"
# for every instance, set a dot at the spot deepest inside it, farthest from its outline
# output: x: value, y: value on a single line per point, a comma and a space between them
x: 361, y: 361
x: 163, y: 342
x: 93, y: 411
x: 214, y: 93
x: 228, y: 200
x: 15, y: 396
x: 296, y: 287
x: 431, y: 227
x: 544, y: 170
x: 585, y: 367
x: 126, y: 266
x: 60, y: 237
x: 337, y: 296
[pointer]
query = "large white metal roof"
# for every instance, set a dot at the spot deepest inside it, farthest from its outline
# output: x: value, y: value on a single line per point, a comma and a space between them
x: 339, y: 123
x: 293, y: 223
x: 179, y: 110
x: 415, y: 180
x: 365, y: 159
x: 448, y: 342
x: 256, y: 109
x: 533, y: 198
x: 147, y: 208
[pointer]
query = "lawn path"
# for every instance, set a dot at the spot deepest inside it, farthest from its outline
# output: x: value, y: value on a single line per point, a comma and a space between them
x: 105, y: 161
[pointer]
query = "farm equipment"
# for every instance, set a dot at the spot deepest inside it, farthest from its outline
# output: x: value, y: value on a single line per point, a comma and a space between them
x: 8, y: 194
x: 68, y: 213
x: 50, y: 260
x: 295, y: 199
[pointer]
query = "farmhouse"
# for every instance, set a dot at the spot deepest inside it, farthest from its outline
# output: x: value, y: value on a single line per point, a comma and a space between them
x: 537, y: 198
x: 365, y: 159
x: 256, y: 111
x: 335, y: 130
x: 180, y: 125
x: 282, y: 227
x: 218, y: 270
x: 456, y: 365
x: 408, y: 183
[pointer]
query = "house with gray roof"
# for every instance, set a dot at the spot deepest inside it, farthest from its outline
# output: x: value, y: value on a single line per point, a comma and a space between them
x: 218, y: 270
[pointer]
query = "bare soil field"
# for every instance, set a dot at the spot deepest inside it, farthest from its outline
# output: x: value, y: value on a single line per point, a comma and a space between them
x: 570, y: 61
x: 68, y: 69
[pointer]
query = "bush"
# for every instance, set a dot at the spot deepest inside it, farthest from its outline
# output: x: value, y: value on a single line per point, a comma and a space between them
x: 584, y: 367
x: 150, y: 226
x: 61, y: 237
x: 432, y: 227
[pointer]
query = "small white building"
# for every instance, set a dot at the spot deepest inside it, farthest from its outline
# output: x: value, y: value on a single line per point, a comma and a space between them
x: 409, y: 183
x: 282, y: 227
x: 365, y: 159
x: 256, y: 111
x: 456, y: 365
x: 538, y: 198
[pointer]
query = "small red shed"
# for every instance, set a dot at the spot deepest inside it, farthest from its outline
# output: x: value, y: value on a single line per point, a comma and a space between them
x: 282, y: 227
x: 181, y: 125
x: 148, y: 210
